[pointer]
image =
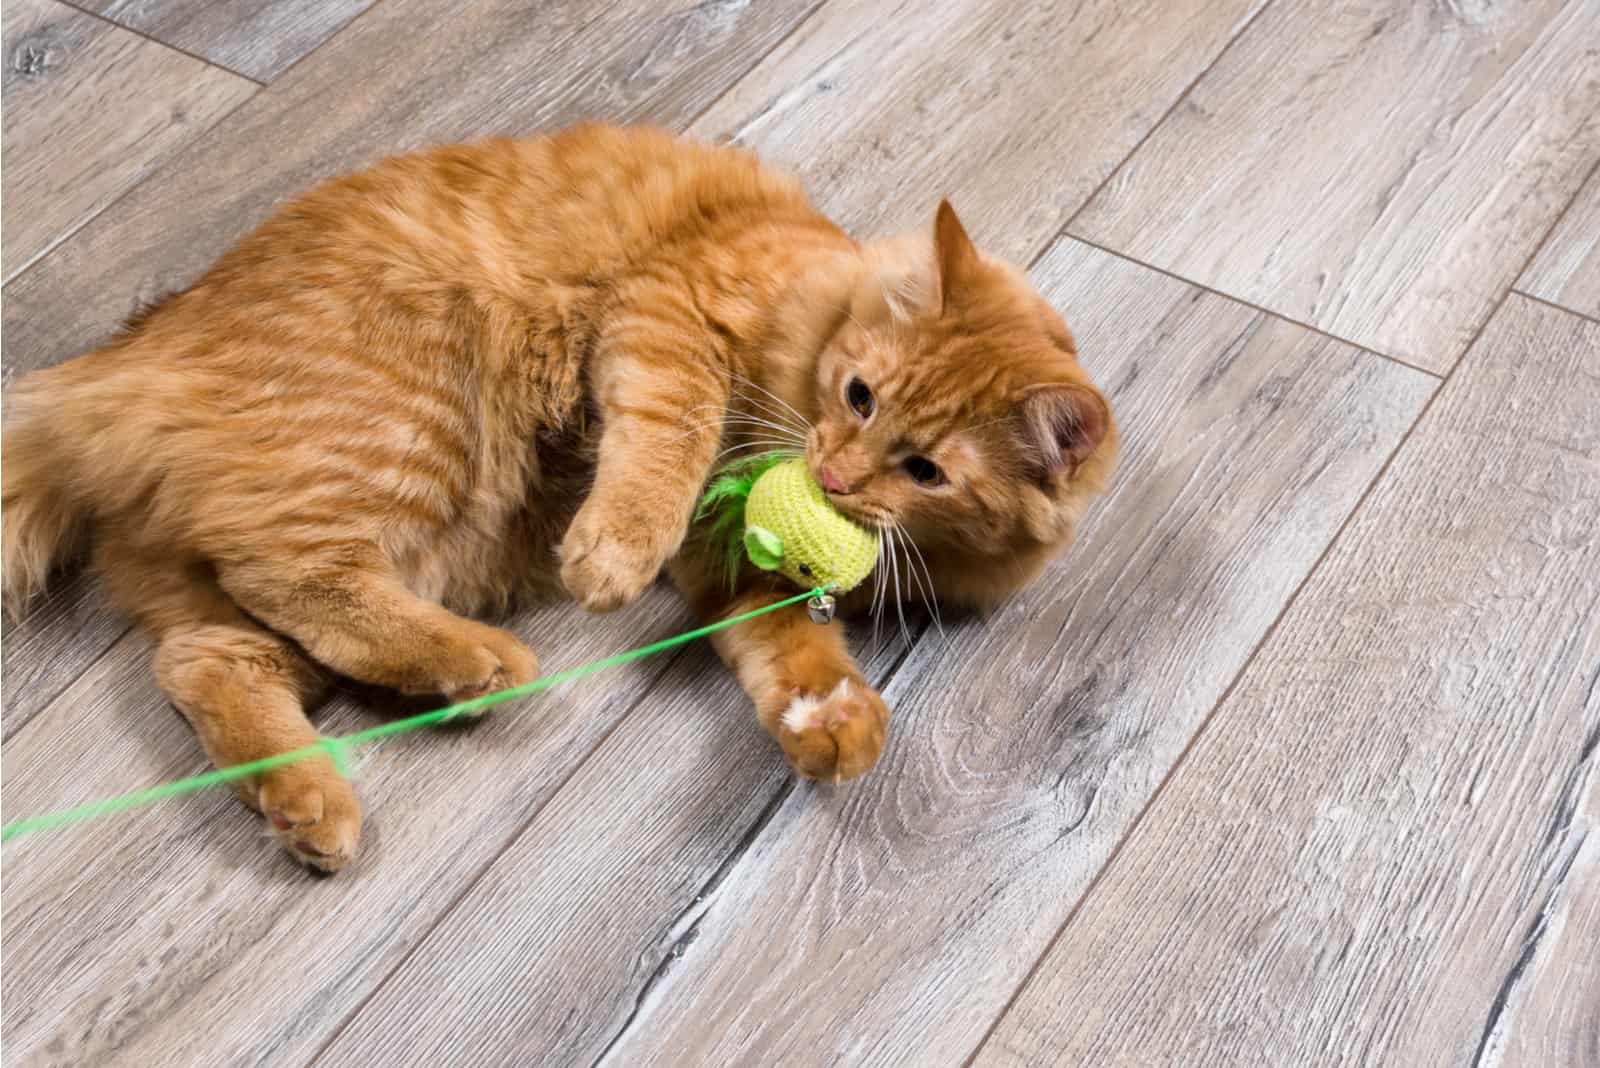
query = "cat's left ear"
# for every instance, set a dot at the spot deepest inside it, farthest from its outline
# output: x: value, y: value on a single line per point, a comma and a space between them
x: 1064, y: 423
x: 957, y: 256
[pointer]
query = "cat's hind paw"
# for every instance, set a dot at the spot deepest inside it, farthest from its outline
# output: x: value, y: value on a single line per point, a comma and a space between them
x: 313, y: 813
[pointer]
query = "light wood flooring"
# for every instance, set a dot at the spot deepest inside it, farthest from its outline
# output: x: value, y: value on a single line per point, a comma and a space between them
x: 1292, y: 761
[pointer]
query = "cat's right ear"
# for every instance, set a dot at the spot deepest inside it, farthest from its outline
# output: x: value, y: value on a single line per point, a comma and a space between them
x: 955, y: 254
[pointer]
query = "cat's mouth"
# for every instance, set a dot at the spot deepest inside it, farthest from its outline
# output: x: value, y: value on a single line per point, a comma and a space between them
x: 863, y: 512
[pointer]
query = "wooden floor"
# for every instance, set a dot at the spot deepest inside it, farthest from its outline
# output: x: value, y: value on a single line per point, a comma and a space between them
x: 1293, y: 761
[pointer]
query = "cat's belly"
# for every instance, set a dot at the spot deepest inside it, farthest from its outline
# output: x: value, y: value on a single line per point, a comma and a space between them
x: 501, y: 551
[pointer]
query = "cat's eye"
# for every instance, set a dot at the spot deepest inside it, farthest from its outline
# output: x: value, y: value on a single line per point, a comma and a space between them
x: 859, y: 397
x: 924, y: 470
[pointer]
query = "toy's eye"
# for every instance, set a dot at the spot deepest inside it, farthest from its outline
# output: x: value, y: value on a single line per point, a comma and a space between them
x: 860, y: 397
x: 924, y: 470
x: 805, y: 569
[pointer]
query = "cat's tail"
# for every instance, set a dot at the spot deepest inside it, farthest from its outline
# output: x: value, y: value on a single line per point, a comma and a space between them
x: 41, y: 523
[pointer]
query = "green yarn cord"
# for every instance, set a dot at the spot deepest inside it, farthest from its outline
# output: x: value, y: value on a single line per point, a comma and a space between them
x: 338, y: 748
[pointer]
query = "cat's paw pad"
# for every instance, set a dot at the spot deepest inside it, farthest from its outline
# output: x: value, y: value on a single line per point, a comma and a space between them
x: 313, y: 813
x: 834, y: 736
x: 606, y: 565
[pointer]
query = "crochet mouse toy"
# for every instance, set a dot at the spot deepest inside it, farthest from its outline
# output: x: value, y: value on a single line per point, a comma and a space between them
x: 770, y: 510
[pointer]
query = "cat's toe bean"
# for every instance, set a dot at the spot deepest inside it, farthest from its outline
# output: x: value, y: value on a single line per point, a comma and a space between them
x: 834, y: 736
x: 314, y: 814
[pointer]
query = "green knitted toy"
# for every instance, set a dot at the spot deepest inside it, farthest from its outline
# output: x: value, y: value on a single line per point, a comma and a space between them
x: 771, y: 510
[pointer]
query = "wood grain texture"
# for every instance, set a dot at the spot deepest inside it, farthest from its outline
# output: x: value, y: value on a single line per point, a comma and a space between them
x: 1380, y: 852
x: 117, y: 929
x: 429, y: 72
x: 1567, y: 269
x: 879, y: 923
x: 90, y: 111
x: 66, y: 631
x: 256, y: 38
x: 1014, y: 111
x: 1549, y: 1015
x: 1380, y: 171
x: 548, y: 956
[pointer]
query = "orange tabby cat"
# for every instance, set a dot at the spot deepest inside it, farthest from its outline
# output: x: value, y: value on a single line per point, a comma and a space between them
x: 482, y: 373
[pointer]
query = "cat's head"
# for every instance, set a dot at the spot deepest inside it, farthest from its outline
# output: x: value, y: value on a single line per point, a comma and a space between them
x: 951, y: 402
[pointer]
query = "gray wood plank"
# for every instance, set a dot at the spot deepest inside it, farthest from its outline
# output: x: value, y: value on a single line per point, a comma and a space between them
x: 1014, y: 111
x: 256, y: 38
x: 887, y: 921
x: 1567, y: 269
x: 1378, y: 852
x: 552, y: 951
x: 1380, y: 171
x: 70, y: 628
x: 90, y: 111
x: 1549, y: 1013
x: 406, y: 73
x: 116, y: 927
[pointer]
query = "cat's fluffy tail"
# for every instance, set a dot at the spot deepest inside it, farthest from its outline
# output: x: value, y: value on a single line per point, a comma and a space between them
x: 41, y: 524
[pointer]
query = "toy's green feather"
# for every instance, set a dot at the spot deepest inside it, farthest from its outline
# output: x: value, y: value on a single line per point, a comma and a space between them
x: 723, y: 505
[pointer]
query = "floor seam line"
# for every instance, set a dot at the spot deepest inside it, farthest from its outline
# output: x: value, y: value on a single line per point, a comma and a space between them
x: 476, y: 877
x: 1437, y: 376
x: 1172, y: 108
x: 169, y: 46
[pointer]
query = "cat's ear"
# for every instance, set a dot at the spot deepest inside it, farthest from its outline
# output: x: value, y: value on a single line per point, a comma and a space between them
x: 957, y: 256
x: 1063, y: 424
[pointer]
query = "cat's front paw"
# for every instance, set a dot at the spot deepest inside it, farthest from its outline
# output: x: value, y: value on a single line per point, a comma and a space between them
x: 313, y: 813
x: 834, y: 736
x: 606, y: 563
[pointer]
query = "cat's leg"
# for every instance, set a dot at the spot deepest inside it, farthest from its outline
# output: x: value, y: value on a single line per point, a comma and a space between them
x: 662, y: 410
x: 243, y: 689
x: 349, y: 610
x: 806, y: 688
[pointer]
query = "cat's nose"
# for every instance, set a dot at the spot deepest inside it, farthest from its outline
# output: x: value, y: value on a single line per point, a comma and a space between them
x: 831, y: 482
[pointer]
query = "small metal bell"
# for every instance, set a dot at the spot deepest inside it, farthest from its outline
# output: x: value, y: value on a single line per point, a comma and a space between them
x: 821, y: 608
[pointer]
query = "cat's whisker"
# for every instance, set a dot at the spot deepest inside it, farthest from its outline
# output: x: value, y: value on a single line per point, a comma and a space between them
x: 917, y: 559
x: 777, y: 428
x: 743, y: 420
x: 899, y: 599
x: 779, y: 446
x: 768, y: 409
x: 760, y: 388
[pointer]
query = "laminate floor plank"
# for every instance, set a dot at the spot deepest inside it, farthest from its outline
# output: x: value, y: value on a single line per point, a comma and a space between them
x: 1380, y: 171
x: 122, y: 934
x: 407, y: 73
x: 1381, y: 851
x: 1016, y: 112
x: 1567, y: 269
x: 90, y: 112
x: 257, y: 38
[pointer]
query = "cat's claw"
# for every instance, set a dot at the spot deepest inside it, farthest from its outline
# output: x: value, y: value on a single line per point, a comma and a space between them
x: 834, y: 736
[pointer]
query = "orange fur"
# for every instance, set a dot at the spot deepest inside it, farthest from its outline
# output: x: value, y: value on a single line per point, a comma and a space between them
x: 483, y: 373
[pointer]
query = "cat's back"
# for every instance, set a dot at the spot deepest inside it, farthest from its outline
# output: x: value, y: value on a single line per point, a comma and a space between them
x: 513, y: 214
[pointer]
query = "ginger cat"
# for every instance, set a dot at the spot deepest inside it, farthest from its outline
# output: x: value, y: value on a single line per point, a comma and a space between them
x: 479, y: 374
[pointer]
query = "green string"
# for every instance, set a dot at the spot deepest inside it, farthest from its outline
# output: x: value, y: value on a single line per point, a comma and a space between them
x: 338, y: 748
